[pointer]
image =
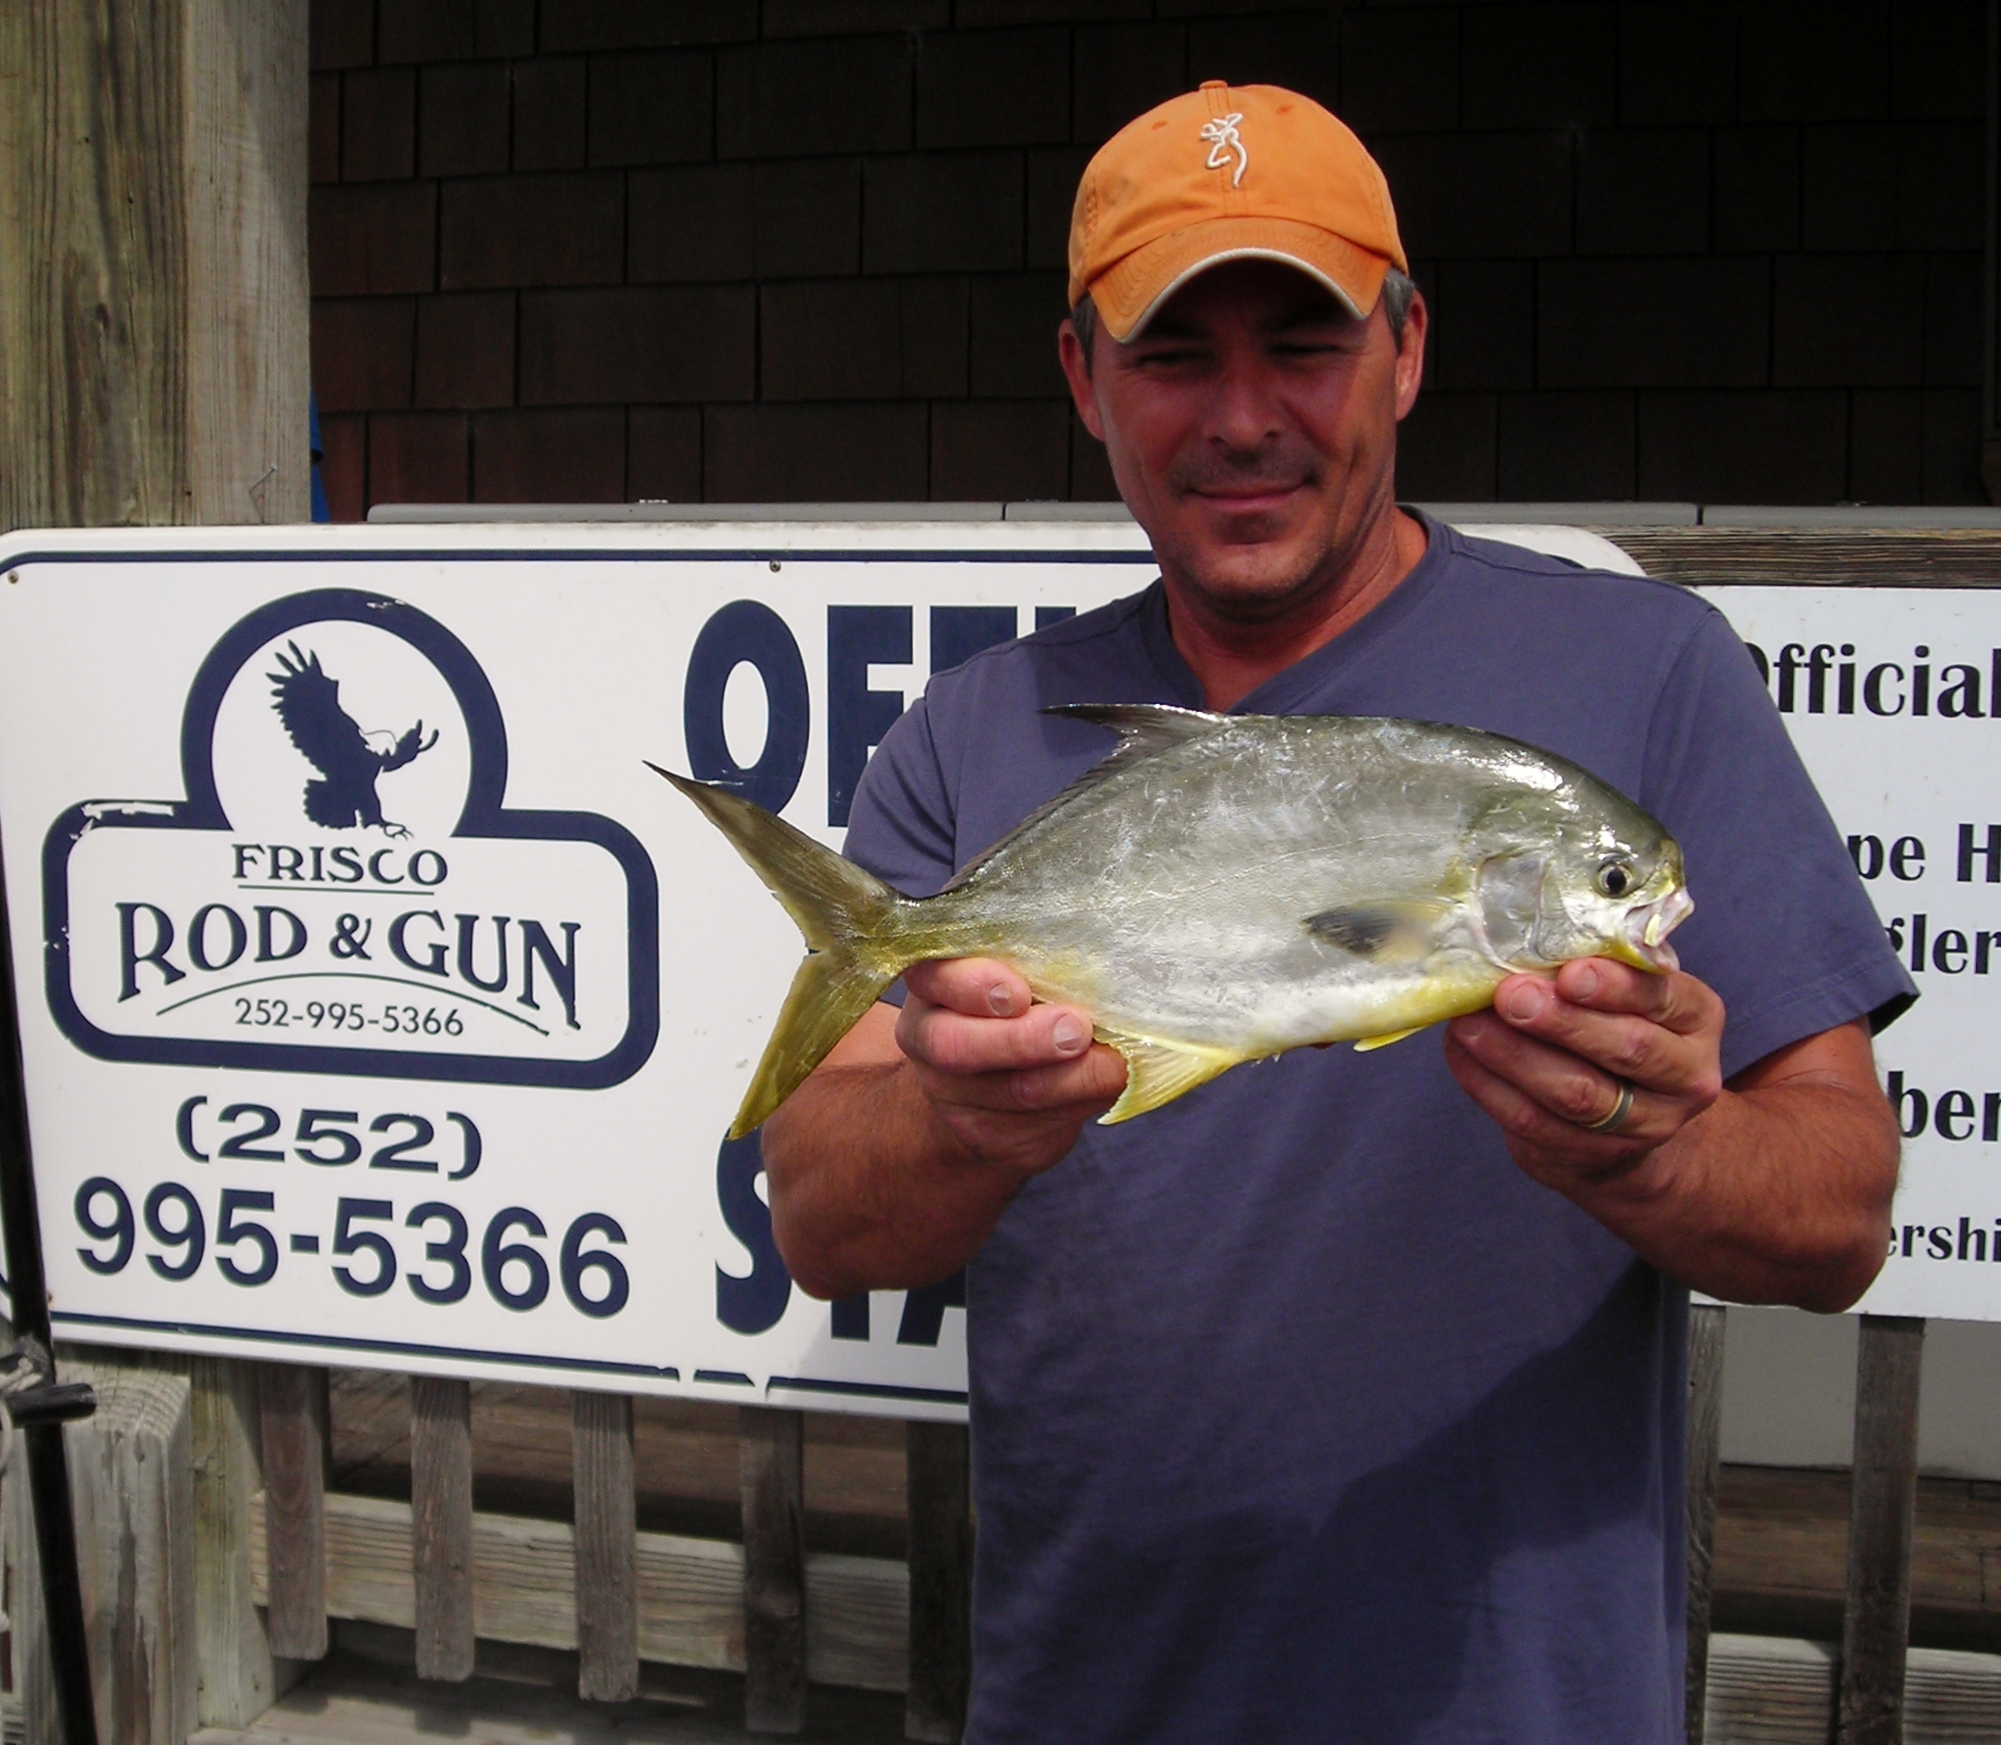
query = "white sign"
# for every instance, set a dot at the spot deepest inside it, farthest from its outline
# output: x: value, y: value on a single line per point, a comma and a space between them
x: 1891, y: 695
x: 380, y: 1006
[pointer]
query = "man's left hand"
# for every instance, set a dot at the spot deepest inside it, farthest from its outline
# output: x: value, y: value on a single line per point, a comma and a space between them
x: 1552, y: 1057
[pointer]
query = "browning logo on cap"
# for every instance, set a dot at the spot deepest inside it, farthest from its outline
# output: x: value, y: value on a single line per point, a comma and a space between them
x: 1223, y: 139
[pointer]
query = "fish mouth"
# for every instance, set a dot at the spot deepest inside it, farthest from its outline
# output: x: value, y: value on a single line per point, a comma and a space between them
x: 1647, y: 926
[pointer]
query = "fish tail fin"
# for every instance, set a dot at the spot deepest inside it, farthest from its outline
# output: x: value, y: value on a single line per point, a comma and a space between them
x: 828, y: 996
x: 856, y: 938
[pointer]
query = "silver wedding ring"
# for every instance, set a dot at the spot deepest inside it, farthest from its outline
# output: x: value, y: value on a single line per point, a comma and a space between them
x: 1618, y: 1113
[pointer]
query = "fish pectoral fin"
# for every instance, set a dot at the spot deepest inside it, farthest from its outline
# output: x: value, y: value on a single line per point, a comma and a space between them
x: 1158, y: 1072
x: 1386, y: 929
x: 1364, y: 1044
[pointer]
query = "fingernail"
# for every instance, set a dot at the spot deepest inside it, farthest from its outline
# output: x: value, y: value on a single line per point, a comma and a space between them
x: 1069, y: 1035
x: 1000, y: 1000
x: 1524, y: 1001
x: 1584, y: 983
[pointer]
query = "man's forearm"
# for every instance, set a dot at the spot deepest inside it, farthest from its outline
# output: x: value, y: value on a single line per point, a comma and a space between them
x: 1773, y: 1187
x: 892, y: 1163
x: 867, y: 1190
x: 1775, y: 1194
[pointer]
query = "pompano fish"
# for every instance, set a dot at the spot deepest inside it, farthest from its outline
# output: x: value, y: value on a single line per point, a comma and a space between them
x: 1225, y: 887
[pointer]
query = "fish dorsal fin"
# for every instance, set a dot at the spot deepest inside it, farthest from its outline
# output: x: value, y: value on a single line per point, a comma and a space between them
x: 1384, y: 929
x: 1157, y: 1072
x: 1364, y: 1044
x: 1143, y: 730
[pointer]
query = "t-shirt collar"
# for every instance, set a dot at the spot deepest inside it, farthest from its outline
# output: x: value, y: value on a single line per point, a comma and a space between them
x: 1286, y: 691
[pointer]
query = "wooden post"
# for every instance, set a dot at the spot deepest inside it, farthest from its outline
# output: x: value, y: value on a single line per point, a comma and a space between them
x: 607, y: 1547
x: 154, y: 371
x: 132, y: 1484
x: 1703, y: 1456
x: 1876, y: 1630
x: 772, y: 1445
x: 33, y: 1676
x: 153, y: 293
x: 941, y: 1581
x: 239, y: 1676
x: 441, y: 1525
x: 295, y: 1536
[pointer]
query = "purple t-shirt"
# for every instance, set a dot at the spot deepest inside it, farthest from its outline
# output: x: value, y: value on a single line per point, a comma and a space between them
x: 1299, y: 1412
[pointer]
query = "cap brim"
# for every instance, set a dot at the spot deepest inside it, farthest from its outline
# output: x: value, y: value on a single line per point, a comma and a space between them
x: 1128, y: 294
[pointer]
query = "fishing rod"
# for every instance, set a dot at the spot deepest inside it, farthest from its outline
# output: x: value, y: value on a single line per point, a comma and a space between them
x: 36, y: 1402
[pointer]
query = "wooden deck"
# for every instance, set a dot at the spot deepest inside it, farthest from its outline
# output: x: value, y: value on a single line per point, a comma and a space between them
x: 1763, y: 1691
x: 366, y: 1693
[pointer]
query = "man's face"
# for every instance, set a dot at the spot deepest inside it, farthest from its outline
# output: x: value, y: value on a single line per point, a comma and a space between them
x: 1252, y: 431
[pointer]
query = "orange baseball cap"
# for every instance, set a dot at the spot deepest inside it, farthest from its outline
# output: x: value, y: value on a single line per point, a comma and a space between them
x: 1228, y: 173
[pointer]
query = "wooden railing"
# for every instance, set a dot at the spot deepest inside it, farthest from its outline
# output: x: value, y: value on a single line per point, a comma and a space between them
x: 1868, y: 1699
x: 766, y: 1608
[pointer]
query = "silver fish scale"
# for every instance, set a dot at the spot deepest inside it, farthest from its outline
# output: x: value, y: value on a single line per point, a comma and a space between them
x: 1172, y: 898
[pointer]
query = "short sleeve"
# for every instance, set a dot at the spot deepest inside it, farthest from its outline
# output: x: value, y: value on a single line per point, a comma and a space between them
x: 900, y: 826
x: 1783, y: 928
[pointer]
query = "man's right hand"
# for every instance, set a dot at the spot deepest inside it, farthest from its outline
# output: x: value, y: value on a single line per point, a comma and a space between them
x: 1011, y: 1082
x: 891, y: 1164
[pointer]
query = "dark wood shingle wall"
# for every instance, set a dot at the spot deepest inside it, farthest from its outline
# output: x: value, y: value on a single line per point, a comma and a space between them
x: 599, y: 250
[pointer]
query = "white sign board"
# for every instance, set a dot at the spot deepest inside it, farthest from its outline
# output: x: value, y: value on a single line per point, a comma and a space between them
x: 379, y: 1005
x: 1893, y: 696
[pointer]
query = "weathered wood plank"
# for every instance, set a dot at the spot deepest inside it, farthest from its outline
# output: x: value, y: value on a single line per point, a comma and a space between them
x: 689, y: 1591
x: 295, y: 1441
x: 941, y: 1581
x: 1903, y: 557
x: 1782, y: 1554
x: 772, y: 1442
x: 1769, y: 1691
x: 244, y: 82
x: 687, y: 1464
x: 607, y: 1598
x: 1775, y: 1690
x: 441, y: 1551
x: 239, y: 1676
x: 154, y: 371
x: 132, y: 1489
x: 1951, y: 1697
x: 33, y: 1676
x: 1703, y: 1452
x: 1876, y: 1627
x: 153, y: 298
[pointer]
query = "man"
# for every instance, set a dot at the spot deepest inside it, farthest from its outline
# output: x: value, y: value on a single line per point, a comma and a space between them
x: 1300, y: 1411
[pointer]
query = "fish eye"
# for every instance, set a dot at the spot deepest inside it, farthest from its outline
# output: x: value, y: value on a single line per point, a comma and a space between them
x: 1615, y: 878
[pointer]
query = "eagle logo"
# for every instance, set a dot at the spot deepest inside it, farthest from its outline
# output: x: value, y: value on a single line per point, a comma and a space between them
x: 348, y: 758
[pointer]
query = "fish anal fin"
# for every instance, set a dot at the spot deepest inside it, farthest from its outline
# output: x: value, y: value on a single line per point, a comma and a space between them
x: 1157, y: 1072
x: 1384, y: 930
x: 1364, y: 1044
